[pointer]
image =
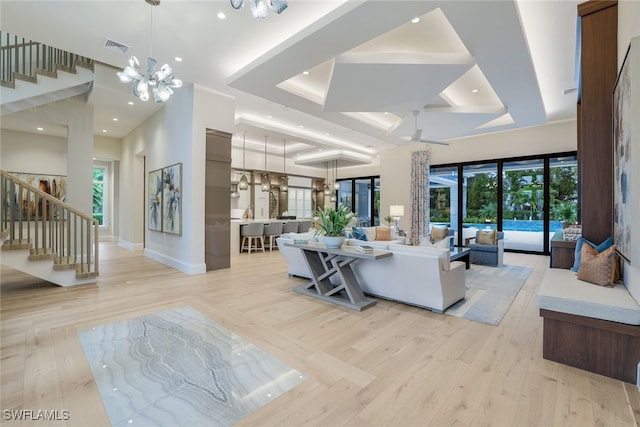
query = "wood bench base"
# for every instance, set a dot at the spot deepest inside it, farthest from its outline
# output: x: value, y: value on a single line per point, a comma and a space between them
x: 607, y: 348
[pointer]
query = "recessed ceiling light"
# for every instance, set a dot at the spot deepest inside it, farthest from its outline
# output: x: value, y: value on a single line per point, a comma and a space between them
x: 475, y: 91
x: 269, y: 117
x: 306, y: 73
x: 415, y: 20
x: 40, y: 129
x: 221, y: 15
x: 301, y: 126
x: 104, y: 131
x: 327, y: 134
x: 115, y: 119
x: 130, y: 102
x: 178, y: 59
x: 386, y: 113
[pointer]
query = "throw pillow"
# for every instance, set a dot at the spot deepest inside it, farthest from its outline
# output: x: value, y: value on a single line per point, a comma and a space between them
x: 439, y: 233
x: 487, y: 237
x: 358, y: 233
x: 371, y: 233
x: 578, y: 253
x: 596, y: 267
x: 383, y: 233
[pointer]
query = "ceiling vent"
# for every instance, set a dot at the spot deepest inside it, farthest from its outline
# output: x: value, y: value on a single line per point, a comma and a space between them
x: 115, y: 46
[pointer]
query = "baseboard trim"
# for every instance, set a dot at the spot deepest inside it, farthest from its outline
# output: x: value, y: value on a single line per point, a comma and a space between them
x: 176, y: 263
x: 130, y: 245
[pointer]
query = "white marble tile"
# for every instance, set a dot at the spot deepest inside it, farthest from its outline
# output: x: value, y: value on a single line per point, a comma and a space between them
x: 177, y: 367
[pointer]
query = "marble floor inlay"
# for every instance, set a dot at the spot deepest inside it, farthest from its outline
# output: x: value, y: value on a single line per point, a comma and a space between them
x: 179, y: 368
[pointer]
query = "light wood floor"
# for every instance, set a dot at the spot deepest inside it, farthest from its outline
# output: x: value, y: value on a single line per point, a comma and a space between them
x: 389, y: 365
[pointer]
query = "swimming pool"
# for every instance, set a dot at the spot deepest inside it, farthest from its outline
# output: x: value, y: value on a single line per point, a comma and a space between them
x: 517, y: 225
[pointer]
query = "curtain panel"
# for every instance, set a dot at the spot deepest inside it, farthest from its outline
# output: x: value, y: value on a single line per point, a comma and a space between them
x: 419, y: 195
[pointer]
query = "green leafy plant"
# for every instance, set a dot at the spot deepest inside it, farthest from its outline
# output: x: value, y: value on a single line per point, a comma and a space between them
x: 332, y: 221
x: 389, y: 220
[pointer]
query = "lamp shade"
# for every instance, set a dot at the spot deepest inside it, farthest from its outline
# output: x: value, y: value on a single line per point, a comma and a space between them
x: 396, y: 210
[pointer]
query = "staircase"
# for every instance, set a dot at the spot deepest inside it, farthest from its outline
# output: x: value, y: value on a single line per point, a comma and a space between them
x: 44, y: 237
x: 34, y: 74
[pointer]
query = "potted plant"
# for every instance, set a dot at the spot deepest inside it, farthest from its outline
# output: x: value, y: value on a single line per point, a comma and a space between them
x: 330, y: 224
x: 389, y: 220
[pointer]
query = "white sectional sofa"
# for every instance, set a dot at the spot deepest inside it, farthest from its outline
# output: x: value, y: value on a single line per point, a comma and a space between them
x: 588, y: 326
x: 414, y: 275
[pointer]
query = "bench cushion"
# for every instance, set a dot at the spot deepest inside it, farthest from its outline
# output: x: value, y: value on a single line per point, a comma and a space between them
x: 561, y: 291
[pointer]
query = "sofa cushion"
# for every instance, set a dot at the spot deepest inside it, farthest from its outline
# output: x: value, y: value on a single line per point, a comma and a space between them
x: 597, y: 268
x: 561, y: 291
x: 487, y: 237
x: 371, y: 232
x: 425, y: 241
x: 578, y: 254
x: 383, y: 233
x: 443, y: 254
x: 358, y: 233
x: 483, y: 247
x: 439, y: 233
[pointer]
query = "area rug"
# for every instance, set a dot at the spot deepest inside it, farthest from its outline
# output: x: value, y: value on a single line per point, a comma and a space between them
x: 490, y: 292
x: 178, y: 367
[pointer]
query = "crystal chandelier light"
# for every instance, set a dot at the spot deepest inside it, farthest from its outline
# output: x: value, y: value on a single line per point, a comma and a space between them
x: 160, y: 83
x: 260, y: 8
x: 327, y: 188
x: 336, y: 184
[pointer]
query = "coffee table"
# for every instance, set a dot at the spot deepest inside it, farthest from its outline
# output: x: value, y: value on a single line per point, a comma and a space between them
x: 459, y: 253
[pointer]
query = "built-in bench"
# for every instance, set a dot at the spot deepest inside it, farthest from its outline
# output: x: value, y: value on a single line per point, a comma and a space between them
x: 588, y: 326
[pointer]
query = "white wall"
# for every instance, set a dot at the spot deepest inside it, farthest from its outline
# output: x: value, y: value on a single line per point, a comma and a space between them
x: 106, y: 148
x: 33, y: 153
x: 174, y: 134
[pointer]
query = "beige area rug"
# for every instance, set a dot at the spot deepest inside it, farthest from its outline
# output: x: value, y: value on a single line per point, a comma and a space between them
x: 490, y: 292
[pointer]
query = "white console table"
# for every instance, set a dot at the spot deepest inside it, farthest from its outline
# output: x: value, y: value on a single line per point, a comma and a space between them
x: 324, y: 263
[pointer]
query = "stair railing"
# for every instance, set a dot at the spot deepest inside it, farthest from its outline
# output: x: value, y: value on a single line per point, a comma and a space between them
x: 32, y: 218
x: 20, y: 56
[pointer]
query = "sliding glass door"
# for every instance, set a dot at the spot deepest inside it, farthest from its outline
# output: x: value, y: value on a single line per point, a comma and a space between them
x: 362, y: 195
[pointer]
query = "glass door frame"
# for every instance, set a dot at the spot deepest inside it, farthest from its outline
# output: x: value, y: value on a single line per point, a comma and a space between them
x: 372, y: 180
x: 500, y: 188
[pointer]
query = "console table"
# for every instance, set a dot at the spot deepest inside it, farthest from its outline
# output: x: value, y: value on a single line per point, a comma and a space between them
x: 324, y: 263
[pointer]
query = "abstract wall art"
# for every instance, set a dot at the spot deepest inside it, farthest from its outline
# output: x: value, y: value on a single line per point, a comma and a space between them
x: 172, y: 199
x: 155, y: 200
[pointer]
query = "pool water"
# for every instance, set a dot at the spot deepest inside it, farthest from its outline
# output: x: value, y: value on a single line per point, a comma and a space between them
x: 519, y: 225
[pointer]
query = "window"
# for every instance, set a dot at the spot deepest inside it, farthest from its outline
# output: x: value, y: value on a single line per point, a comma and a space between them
x: 362, y: 196
x: 98, y: 194
x: 101, y: 193
x: 300, y: 203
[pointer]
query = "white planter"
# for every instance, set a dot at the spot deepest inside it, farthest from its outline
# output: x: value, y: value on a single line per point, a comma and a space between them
x: 333, y: 242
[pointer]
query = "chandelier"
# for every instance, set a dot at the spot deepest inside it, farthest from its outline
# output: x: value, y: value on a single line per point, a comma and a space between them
x: 265, y: 179
x: 260, y: 8
x: 160, y: 83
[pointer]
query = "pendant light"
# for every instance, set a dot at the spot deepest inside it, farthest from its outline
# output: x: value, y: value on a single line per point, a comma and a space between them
x: 266, y: 179
x: 244, y: 182
x: 336, y: 184
x: 327, y: 187
x: 284, y: 180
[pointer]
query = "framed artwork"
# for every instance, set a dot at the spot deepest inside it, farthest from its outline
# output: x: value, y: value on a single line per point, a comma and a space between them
x: 172, y: 199
x: 626, y: 156
x: 55, y: 185
x: 155, y: 200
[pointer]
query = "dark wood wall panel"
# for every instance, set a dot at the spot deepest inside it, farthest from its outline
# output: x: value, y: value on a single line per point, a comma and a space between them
x: 599, y: 31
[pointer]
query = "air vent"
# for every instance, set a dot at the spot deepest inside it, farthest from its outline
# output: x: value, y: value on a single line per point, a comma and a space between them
x: 115, y: 46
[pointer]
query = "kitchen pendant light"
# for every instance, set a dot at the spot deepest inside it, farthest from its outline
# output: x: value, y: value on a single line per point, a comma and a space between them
x: 327, y: 187
x: 284, y: 180
x: 244, y: 182
x: 336, y: 184
x: 265, y: 179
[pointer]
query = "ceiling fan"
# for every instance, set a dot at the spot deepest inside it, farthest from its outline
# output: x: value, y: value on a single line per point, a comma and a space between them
x: 418, y: 132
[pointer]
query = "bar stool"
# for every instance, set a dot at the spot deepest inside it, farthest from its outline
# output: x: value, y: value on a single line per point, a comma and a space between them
x: 290, y: 227
x: 272, y: 230
x: 304, y: 226
x: 251, y: 232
